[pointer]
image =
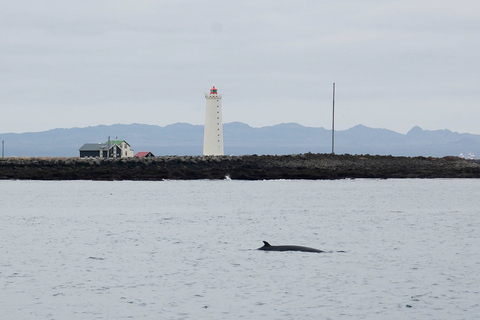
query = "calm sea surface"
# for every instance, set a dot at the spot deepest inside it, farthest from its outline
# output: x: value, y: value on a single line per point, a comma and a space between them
x: 396, y: 249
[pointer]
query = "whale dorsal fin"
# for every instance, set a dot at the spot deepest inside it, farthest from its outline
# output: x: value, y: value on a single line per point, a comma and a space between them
x: 266, y: 244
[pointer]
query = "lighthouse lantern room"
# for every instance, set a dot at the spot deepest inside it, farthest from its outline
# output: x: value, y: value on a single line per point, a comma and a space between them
x: 213, y: 132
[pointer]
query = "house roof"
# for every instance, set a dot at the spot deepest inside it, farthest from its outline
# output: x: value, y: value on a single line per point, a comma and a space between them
x: 117, y: 142
x: 93, y: 146
x: 96, y: 146
x: 142, y: 154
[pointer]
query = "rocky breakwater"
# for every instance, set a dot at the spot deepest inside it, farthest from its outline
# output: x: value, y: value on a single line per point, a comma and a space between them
x: 251, y: 167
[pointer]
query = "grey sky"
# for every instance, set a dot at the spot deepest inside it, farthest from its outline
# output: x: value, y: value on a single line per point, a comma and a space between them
x: 396, y: 64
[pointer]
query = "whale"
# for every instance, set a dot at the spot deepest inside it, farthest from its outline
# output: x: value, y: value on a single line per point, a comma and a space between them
x: 268, y: 247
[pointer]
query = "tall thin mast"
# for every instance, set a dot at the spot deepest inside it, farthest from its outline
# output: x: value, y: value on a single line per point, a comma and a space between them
x: 333, y: 121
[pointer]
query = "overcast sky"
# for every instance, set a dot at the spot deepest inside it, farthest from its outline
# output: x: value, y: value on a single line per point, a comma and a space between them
x: 396, y: 64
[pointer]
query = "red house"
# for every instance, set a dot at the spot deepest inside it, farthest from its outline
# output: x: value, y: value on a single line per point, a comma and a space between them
x: 144, y: 154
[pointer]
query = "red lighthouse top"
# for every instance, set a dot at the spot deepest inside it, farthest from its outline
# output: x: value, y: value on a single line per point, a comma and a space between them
x: 213, y: 90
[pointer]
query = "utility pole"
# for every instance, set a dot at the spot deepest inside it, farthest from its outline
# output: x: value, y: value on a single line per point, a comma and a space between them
x: 3, y: 148
x: 333, y: 121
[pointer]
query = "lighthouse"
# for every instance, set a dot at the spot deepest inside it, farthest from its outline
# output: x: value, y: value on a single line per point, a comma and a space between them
x: 213, y: 134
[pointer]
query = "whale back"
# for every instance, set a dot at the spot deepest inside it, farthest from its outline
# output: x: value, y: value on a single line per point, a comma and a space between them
x: 268, y: 247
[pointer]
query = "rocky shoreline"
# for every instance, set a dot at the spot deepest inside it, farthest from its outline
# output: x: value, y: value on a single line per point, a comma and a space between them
x: 252, y: 167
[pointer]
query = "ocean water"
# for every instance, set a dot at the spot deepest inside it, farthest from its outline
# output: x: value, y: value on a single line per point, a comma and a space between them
x: 395, y: 249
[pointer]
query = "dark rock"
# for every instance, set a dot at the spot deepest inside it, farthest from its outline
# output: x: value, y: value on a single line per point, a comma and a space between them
x: 253, y: 167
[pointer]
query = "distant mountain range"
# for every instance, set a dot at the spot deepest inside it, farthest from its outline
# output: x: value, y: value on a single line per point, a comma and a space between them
x: 241, y: 139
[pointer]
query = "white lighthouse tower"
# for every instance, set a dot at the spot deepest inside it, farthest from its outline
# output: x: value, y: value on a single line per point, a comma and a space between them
x: 213, y: 134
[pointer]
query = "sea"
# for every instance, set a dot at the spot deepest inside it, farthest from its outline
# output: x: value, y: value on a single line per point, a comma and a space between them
x: 394, y: 249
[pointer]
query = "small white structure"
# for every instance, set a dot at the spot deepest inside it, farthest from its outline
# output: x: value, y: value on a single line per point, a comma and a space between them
x: 213, y: 134
x: 469, y: 156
